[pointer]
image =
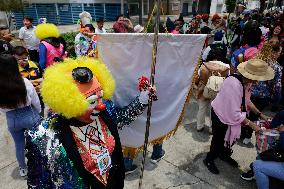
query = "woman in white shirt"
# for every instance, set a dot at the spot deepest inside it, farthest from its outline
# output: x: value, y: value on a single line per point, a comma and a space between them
x: 20, y: 102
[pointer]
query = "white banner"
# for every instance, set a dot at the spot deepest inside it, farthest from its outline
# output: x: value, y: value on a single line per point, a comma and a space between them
x: 129, y: 56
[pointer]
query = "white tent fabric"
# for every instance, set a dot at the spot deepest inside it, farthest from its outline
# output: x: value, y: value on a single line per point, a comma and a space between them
x: 129, y: 56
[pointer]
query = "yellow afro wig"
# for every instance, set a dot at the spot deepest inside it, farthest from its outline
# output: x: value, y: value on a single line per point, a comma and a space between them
x: 62, y: 95
x: 46, y: 30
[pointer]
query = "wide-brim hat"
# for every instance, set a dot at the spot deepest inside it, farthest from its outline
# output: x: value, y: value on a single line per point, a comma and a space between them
x: 256, y: 69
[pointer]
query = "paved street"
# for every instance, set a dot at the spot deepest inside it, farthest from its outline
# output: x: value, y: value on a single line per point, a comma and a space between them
x: 181, y: 168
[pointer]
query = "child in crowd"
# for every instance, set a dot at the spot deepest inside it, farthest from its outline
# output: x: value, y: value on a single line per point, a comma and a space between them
x: 28, y: 70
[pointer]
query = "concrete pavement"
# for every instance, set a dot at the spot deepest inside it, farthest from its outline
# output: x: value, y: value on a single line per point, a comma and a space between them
x: 181, y: 168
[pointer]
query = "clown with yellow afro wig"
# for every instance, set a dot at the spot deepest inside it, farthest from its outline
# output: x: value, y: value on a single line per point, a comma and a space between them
x: 51, y: 48
x: 78, y: 144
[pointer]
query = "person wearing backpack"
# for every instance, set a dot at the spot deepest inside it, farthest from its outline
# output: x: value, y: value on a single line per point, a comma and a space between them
x: 215, y: 63
x: 229, y: 111
x: 217, y: 44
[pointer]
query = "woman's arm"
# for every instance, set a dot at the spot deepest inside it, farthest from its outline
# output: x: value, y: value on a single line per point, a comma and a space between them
x: 251, y: 124
x: 33, y: 95
x: 256, y: 111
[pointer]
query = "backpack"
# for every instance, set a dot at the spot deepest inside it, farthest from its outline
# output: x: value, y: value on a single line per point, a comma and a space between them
x: 213, y: 84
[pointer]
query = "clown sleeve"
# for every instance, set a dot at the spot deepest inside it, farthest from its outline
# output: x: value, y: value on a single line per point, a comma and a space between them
x: 125, y: 115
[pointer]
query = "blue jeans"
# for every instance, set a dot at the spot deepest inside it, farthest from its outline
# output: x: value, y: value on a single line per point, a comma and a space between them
x: 265, y: 169
x: 157, y: 151
x: 18, y: 121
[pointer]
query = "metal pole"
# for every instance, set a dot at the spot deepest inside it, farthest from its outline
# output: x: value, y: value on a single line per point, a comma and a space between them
x: 122, y: 7
x: 140, y: 11
x: 148, y: 6
x: 152, y: 80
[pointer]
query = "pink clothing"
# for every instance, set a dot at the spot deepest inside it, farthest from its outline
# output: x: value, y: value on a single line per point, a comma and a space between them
x: 227, y: 106
x: 175, y: 32
x: 251, y: 53
x: 52, y: 52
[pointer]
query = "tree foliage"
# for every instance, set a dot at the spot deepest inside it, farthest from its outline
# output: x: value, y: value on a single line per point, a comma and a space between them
x: 230, y: 5
x: 11, y: 5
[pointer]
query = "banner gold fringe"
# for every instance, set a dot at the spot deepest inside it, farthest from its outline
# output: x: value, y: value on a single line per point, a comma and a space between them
x: 132, y: 153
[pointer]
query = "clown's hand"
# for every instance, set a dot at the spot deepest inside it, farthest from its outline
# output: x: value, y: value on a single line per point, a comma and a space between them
x: 145, y: 87
x: 145, y: 95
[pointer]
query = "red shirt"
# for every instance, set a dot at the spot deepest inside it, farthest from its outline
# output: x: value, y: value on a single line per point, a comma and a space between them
x: 119, y: 28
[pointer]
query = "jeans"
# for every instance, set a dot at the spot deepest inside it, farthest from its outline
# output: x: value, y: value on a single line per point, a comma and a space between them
x: 157, y: 151
x: 18, y: 121
x: 204, y: 106
x: 265, y: 169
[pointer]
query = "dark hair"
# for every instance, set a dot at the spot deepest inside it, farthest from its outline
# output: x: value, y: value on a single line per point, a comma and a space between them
x: 121, y: 15
x: 20, y: 50
x: 13, y: 91
x: 90, y: 26
x: 252, y: 34
x: 100, y: 20
x: 217, y: 54
x: 29, y: 19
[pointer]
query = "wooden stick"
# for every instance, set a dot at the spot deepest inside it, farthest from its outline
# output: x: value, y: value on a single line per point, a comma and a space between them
x: 152, y: 80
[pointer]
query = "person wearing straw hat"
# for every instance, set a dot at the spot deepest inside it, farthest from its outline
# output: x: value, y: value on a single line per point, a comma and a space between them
x: 230, y: 109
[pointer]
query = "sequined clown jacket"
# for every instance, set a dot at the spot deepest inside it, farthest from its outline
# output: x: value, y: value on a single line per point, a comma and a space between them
x: 56, y: 159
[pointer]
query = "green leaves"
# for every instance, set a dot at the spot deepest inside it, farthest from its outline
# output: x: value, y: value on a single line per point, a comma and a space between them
x: 69, y: 38
x: 230, y: 5
x: 11, y: 5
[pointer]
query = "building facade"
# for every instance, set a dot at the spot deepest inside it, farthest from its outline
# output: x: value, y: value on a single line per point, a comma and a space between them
x: 65, y: 12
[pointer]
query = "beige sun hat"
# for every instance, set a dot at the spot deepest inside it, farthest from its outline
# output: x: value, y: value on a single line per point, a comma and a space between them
x: 256, y: 69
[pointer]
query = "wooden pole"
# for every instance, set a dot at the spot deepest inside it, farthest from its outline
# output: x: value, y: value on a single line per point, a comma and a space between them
x: 152, y: 80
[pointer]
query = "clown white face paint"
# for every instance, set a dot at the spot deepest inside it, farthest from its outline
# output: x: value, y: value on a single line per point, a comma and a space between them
x: 96, y: 103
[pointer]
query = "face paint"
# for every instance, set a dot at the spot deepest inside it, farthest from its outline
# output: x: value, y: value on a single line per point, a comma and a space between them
x: 93, y: 92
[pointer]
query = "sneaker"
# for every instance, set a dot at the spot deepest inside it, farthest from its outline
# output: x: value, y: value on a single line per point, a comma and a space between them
x: 246, y: 141
x: 248, y: 176
x: 155, y: 160
x: 211, y: 166
x: 229, y: 160
x: 23, y: 172
x: 131, y: 170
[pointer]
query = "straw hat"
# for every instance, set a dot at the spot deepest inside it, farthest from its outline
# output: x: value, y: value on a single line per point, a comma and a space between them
x: 256, y: 69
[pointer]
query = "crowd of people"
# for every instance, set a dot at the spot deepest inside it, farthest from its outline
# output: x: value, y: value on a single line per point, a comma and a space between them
x: 240, y: 75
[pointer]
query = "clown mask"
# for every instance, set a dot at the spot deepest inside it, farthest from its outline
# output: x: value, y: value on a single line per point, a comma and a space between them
x: 91, y: 88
